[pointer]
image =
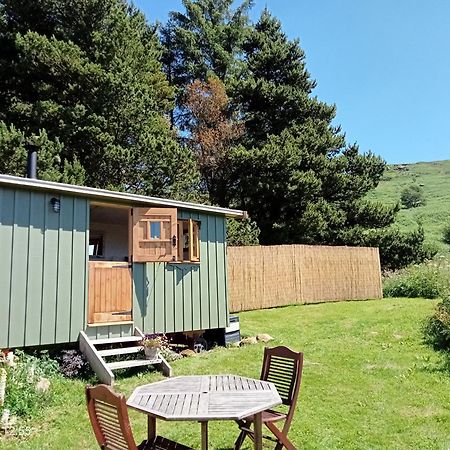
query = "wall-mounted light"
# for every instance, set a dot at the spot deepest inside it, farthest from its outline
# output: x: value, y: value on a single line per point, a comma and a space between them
x: 56, y: 204
x: 174, y: 240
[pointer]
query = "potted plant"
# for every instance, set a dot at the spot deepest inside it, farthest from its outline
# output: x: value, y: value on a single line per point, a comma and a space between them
x: 152, y: 344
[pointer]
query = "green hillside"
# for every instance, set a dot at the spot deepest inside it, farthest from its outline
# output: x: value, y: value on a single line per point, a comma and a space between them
x: 434, y: 177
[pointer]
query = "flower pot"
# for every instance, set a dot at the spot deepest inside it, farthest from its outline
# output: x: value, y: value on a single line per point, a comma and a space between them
x: 151, y: 352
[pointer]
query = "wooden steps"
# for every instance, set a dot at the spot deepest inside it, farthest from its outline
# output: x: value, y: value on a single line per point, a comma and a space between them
x: 97, y: 352
x: 134, y: 363
x: 121, y: 351
x: 118, y: 340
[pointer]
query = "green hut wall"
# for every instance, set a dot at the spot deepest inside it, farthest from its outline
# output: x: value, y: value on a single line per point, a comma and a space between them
x: 43, y: 268
x: 44, y: 276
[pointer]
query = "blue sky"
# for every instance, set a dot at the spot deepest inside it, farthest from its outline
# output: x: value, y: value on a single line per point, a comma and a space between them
x: 385, y: 64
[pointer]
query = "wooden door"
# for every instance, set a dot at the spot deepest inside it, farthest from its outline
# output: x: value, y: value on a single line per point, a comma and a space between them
x: 110, y: 292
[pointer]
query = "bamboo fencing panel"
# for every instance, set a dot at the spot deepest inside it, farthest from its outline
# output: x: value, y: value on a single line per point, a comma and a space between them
x: 269, y: 276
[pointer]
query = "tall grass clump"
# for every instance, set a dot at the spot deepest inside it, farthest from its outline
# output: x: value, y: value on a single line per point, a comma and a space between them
x: 425, y: 280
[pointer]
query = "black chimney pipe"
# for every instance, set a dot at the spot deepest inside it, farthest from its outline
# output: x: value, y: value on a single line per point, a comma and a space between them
x: 32, y: 160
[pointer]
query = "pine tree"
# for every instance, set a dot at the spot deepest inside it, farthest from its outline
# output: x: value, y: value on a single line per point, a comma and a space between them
x: 297, y: 177
x: 86, y: 73
x: 274, y: 88
x: 206, y: 40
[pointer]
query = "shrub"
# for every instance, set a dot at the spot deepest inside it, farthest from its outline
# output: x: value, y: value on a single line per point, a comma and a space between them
x: 399, y: 249
x: 446, y: 234
x: 72, y: 364
x: 242, y: 232
x: 412, y: 196
x: 417, y: 281
x: 437, y: 327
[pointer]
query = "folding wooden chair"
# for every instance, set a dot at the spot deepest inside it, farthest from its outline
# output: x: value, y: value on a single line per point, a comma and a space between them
x: 283, y: 367
x: 109, y: 418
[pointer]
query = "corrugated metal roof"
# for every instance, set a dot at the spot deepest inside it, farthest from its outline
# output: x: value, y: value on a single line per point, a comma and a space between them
x: 113, y: 196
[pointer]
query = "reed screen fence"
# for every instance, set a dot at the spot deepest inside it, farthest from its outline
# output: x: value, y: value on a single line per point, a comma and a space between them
x: 269, y: 276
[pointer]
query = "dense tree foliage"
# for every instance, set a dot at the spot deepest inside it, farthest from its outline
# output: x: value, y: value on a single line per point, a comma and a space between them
x: 291, y: 169
x: 84, y: 77
x: 214, y: 106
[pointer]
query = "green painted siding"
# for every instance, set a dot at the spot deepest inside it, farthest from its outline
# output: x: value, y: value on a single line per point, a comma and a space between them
x: 44, y: 268
x: 110, y: 331
x: 43, y: 276
x: 185, y: 297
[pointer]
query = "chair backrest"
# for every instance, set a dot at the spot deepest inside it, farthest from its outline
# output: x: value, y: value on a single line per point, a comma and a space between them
x: 283, y: 367
x: 109, y: 418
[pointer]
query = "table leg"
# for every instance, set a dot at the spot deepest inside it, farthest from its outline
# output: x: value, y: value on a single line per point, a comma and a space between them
x: 151, y: 428
x: 258, y: 431
x: 204, y: 435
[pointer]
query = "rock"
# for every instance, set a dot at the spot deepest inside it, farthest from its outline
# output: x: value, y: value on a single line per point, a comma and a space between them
x: 188, y: 353
x: 249, y: 341
x: 264, y: 337
x: 4, y: 421
x: 11, y: 359
x: 43, y: 384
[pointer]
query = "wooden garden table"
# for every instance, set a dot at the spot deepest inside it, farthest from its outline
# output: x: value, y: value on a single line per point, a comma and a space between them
x: 204, y: 398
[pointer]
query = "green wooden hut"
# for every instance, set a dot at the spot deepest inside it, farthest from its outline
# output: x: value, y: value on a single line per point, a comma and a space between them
x: 107, y: 264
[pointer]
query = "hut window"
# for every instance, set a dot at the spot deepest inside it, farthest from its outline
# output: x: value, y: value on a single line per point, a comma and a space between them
x: 96, y: 245
x: 188, y: 241
x: 154, y: 230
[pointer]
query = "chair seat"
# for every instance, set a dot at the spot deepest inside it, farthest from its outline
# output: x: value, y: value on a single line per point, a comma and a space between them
x: 268, y: 416
x: 161, y: 443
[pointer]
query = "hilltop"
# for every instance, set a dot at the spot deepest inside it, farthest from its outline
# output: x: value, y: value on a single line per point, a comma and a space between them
x: 434, y: 177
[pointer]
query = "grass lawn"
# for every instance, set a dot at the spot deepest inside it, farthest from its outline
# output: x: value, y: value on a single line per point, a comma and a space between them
x: 368, y: 382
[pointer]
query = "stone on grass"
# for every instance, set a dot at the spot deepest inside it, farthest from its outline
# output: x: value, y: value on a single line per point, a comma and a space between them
x: 264, y: 337
x: 249, y: 340
x: 188, y: 353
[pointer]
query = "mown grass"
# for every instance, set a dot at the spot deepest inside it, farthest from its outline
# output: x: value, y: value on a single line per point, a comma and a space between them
x: 369, y: 382
x: 435, y: 178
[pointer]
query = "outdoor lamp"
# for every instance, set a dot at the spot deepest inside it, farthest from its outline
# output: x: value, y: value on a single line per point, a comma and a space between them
x: 56, y: 204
